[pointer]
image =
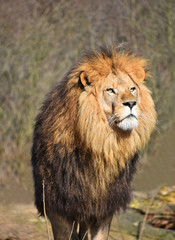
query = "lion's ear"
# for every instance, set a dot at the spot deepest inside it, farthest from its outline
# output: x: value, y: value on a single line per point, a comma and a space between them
x: 83, y: 80
x: 138, y: 75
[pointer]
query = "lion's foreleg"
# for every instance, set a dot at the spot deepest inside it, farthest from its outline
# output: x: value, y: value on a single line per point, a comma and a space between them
x: 100, y: 232
x: 62, y: 230
x: 96, y: 231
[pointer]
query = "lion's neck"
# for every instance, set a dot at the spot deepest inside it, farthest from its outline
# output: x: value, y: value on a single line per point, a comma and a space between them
x: 110, y: 150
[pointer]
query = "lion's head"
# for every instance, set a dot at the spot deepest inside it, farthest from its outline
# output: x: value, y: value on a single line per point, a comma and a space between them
x: 118, y: 96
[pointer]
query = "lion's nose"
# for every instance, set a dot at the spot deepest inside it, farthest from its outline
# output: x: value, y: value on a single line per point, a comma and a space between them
x: 130, y: 104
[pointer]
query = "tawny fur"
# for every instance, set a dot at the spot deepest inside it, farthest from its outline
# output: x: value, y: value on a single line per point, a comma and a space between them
x: 84, y: 161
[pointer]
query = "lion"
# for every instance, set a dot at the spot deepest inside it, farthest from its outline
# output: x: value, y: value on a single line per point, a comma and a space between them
x: 87, y: 139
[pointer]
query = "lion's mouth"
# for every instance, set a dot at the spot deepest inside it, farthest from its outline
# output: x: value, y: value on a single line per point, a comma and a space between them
x: 130, y: 116
x: 128, y: 123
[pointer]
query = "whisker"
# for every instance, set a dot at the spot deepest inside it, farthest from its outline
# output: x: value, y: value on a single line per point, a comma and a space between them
x: 157, y: 121
x: 147, y: 117
x: 156, y: 128
x: 112, y: 119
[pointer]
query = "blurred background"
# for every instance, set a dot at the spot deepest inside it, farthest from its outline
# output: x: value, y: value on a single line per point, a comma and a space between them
x: 40, y: 40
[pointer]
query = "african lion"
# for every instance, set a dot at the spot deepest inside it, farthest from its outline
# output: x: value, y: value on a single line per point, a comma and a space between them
x: 86, y: 141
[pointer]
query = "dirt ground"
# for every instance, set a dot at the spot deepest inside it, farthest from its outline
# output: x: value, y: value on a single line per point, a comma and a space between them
x: 21, y: 222
x: 18, y: 216
x: 19, y: 219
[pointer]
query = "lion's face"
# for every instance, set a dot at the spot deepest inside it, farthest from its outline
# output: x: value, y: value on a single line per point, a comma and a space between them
x: 119, y: 99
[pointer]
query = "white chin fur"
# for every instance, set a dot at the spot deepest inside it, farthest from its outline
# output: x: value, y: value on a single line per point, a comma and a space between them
x: 128, y: 124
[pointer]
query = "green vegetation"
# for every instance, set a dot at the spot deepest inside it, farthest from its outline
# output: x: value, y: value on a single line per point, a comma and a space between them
x: 40, y: 40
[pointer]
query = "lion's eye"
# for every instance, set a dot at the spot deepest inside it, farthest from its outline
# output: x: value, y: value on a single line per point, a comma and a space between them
x: 110, y: 90
x: 132, y: 89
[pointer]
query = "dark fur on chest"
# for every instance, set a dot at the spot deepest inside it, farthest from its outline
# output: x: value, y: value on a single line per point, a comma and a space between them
x: 67, y: 183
